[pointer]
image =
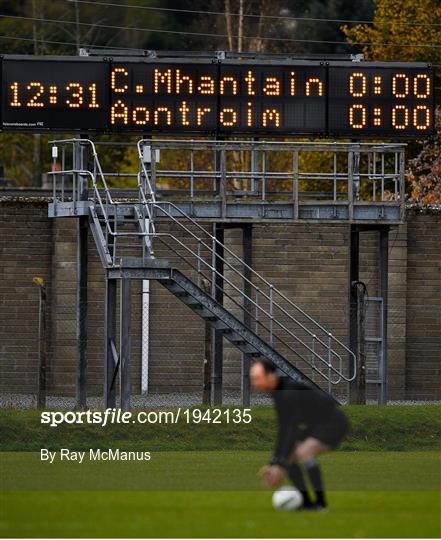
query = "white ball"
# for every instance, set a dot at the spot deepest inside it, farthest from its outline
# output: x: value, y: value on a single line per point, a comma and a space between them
x: 287, y: 498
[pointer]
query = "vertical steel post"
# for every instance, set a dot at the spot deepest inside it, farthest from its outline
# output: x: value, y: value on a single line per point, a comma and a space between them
x: 356, y: 176
x: 351, y: 185
x: 223, y: 182
x: 295, y: 187
x: 79, y: 159
x: 247, y: 248
x: 263, y: 175
x: 353, y: 274
x: 109, y: 338
x: 313, y: 357
x: 125, y: 316
x: 254, y: 170
x: 42, y: 344
x: 206, y: 388
x: 81, y: 315
x: 383, y: 271
x: 218, y: 294
x: 402, y: 169
x: 360, y: 351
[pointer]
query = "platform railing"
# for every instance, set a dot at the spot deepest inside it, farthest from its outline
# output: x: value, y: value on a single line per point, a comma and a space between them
x: 271, y: 313
x: 74, y: 184
x: 346, y: 173
x: 269, y: 305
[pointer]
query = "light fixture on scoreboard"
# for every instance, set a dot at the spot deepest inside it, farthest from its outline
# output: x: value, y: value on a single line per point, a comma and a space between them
x: 151, y: 95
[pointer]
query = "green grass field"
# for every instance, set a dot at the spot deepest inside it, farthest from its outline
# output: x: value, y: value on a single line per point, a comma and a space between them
x: 216, y: 514
x: 386, y: 483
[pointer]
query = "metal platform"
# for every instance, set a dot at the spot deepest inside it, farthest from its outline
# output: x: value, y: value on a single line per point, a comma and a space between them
x: 214, y: 210
x: 261, y: 320
x: 242, y: 181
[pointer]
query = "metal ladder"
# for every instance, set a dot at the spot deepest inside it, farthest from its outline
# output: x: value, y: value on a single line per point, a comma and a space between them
x: 127, y: 234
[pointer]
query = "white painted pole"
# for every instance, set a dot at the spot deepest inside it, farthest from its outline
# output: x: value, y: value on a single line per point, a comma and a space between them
x: 145, y: 329
x: 145, y: 336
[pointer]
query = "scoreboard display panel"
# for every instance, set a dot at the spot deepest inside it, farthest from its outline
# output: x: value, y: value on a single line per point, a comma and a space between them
x: 380, y: 100
x: 164, y: 97
x: 217, y: 97
x: 55, y: 94
x: 278, y: 99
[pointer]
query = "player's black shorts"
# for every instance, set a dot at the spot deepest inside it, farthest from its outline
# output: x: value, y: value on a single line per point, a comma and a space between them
x: 333, y: 431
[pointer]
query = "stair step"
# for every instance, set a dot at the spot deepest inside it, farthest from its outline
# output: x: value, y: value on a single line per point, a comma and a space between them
x: 120, y: 220
x: 238, y: 334
x: 172, y: 286
x: 235, y: 338
x: 209, y: 317
x: 204, y: 313
x: 250, y: 350
x: 222, y: 327
x: 246, y: 348
x: 190, y: 301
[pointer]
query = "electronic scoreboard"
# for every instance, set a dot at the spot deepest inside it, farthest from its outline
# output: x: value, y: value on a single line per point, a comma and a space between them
x: 217, y: 97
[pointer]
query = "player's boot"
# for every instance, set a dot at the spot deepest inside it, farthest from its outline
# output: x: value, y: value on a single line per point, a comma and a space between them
x: 307, y: 505
x: 315, y: 507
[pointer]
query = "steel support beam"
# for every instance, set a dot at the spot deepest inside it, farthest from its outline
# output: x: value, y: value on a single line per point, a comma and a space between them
x: 42, y: 344
x: 109, y: 338
x: 81, y: 312
x: 80, y: 160
x: 247, y: 245
x: 353, y: 274
x: 125, y: 341
x: 217, y: 336
x: 383, y: 271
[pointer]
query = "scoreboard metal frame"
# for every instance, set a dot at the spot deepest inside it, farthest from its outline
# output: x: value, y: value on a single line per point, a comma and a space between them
x: 217, y: 97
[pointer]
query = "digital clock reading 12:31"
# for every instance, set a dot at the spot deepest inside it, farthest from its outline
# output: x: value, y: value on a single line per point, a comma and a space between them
x: 217, y: 97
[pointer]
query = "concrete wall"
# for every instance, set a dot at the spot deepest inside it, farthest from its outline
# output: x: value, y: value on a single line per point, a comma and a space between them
x: 423, y: 303
x: 308, y: 262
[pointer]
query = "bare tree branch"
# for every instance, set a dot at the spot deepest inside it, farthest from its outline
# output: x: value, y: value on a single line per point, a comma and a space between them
x: 240, y: 30
x: 229, y: 25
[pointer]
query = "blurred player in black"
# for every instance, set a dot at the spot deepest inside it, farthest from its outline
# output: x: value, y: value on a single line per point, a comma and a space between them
x: 309, y: 423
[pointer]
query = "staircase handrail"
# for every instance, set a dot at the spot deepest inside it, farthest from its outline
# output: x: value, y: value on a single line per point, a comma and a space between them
x: 273, y: 289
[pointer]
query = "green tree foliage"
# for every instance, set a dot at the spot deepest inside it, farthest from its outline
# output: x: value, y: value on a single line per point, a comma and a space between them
x: 420, y: 41
x: 389, y: 39
x: 57, y: 22
x: 280, y: 28
x: 56, y: 31
x: 85, y: 23
x: 424, y: 171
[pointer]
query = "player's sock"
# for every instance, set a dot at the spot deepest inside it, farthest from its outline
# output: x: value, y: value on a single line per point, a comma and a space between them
x: 295, y: 474
x: 313, y: 470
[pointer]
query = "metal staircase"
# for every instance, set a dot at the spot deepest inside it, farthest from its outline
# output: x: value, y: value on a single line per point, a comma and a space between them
x: 256, y: 317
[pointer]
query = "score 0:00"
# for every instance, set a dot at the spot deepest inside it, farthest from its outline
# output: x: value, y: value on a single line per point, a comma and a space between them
x: 401, y: 115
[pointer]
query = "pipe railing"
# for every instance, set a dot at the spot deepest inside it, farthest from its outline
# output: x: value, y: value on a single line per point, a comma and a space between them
x: 271, y: 311
x: 353, y: 164
x: 269, y: 296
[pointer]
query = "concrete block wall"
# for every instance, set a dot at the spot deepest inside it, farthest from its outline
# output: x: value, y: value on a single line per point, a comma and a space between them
x: 423, y: 305
x: 25, y: 253
x: 306, y: 261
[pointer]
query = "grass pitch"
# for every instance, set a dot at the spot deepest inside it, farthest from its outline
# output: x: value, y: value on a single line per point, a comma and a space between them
x: 216, y: 514
x: 201, y: 480
x: 371, y: 494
